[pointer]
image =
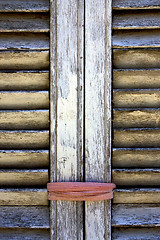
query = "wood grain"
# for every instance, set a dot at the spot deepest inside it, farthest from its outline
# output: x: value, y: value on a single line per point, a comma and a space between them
x: 137, y: 195
x: 24, y: 22
x: 137, y: 138
x: 35, y: 217
x: 24, y: 159
x: 26, y: 60
x: 131, y: 79
x: 137, y: 215
x: 23, y: 178
x: 67, y: 30
x: 24, y: 100
x: 136, y: 177
x: 136, y: 98
x: 25, y: 234
x: 24, y: 139
x: 136, y: 19
x: 138, y: 58
x: 24, y: 41
x: 136, y: 118
x: 24, y: 120
x: 25, y: 196
x: 136, y: 39
x: 24, y: 6
x: 24, y: 80
x: 132, y: 4
x: 135, y: 233
x: 98, y: 112
x: 141, y: 157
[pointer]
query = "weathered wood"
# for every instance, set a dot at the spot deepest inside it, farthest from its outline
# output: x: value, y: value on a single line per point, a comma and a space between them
x: 137, y: 138
x: 136, y: 177
x: 136, y: 118
x: 22, y: 197
x: 136, y: 19
x: 98, y: 112
x: 24, y: 120
x: 24, y: 80
x: 136, y: 78
x: 24, y: 159
x: 24, y: 217
x: 67, y: 23
x: 24, y: 139
x: 24, y: 6
x: 24, y: 41
x: 15, y: 60
x: 24, y: 22
x: 141, y: 157
x: 25, y: 234
x: 135, y: 233
x: 132, y: 4
x: 137, y: 215
x: 138, y: 58
x: 136, y: 98
x: 136, y: 39
x: 23, y: 178
x: 137, y: 195
x: 24, y: 100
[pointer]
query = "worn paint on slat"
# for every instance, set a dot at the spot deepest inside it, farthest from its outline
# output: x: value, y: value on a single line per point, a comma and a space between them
x: 23, y: 196
x: 24, y: 139
x: 24, y: 22
x: 136, y: 19
x: 136, y: 78
x: 137, y: 195
x: 136, y: 138
x: 129, y: 158
x: 24, y: 120
x: 137, y: 215
x: 136, y: 177
x: 132, y: 4
x: 24, y: 217
x: 23, y: 178
x: 18, y: 60
x: 136, y: 58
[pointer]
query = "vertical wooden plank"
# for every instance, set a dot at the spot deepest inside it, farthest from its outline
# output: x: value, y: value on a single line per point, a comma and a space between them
x: 98, y: 112
x: 66, y: 112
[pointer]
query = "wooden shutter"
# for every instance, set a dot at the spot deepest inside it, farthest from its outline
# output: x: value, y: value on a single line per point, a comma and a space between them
x: 136, y: 134
x: 24, y: 119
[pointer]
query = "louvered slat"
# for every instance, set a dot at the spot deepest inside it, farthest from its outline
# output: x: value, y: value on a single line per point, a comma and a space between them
x: 132, y: 4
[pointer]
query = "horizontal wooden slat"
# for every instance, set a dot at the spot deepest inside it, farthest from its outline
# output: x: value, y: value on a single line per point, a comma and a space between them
x: 24, y: 159
x: 136, y: 98
x: 136, y: 19
x: 24, y: 100
x: 130, y: 158
x: 23, y: 196
x: 29, y: 60
x: 24, y: 80
x: 136, y: 118
x: 137, y: 138
x: 24, y: 139
x: 24, y: 217
x: 24, y: 41
x: 24, y: 22
x: 136, y: 78
x: 137, y: 215
x: 135, y: 233
x: 136, y: 39
x: 135, y: 195
x: 23, y: 178
x: 24, y: 120
x: 132, y: 4
x: 24, y: 6
x: 136, y: 58
x: 136, y: 177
